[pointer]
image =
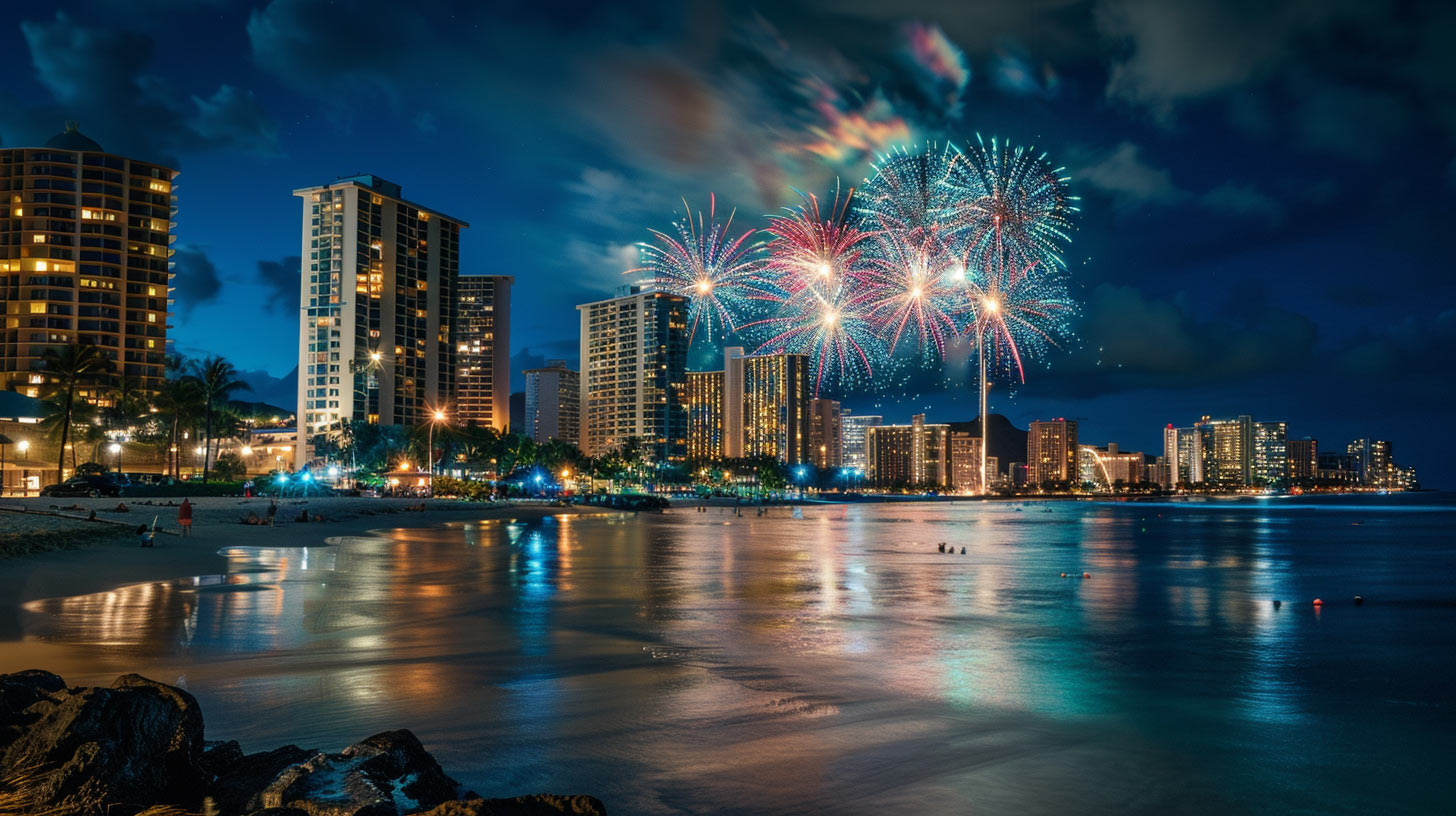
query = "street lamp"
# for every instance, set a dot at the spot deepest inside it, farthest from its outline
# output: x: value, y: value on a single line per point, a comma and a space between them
x: 4, y: 440
x: 435, y: 419
x: 116, y: 449
x: 23, y: 446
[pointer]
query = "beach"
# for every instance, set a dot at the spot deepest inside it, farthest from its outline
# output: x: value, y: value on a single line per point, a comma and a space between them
x: 108, y: 560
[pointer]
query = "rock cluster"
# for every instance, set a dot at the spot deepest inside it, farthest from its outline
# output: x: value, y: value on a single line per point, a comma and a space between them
x: 138, y: 746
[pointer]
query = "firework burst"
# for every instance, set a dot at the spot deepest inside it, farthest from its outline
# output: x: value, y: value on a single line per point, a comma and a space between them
x: 1014, y: 208
x: 815, y: 262
x: 717, y: 273
x: 1017, y: 318
x: 913, y: 280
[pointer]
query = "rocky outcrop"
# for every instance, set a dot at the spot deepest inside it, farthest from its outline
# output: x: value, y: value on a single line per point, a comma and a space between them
x: 87, y: 750
x: 137, y: 748
x: 539, y: 805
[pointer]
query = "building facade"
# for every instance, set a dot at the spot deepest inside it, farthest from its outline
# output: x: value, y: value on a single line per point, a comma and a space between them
x: 826, y: 437
x: 854, y: 433
x: 483, y: 348
x: 776, y: 407
x: 87, y: 260
x: 733, y: 357
x: 914, y: 455
x: 1271, y: 454
x: 377, y: 295
x: 634, y: 352
x: 705, y: 403
x: 1051, y: 451
x: 965, y: 462
x: 553, y: 403
x: 1372, y: 462
x: 1233, y: 452
x: 1108, y: 466
x: 1303, y: 459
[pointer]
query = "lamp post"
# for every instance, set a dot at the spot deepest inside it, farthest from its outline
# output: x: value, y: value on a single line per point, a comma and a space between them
x: 23, y: 446
x: 435, y: 419
x: 4, y: 440
x: 116, y: 450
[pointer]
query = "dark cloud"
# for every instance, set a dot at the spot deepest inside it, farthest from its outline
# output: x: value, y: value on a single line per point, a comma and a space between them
x: 1131, y: 341
x: 196, y: 279
x: 281, y: 279
x: 1243, y: 199
x: 1172, y: 53
x: 101, y: 77
x: 1126, y: 177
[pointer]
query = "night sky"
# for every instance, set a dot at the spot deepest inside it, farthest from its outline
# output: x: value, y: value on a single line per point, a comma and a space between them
x: 1266, y: 188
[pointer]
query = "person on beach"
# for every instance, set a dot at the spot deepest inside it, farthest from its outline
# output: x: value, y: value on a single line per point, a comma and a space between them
x: 184, y: 518
x: 272, y: 511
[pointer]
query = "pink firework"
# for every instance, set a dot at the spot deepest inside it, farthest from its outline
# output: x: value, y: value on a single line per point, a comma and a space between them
x: 813, y: 273
x: 914, y: 277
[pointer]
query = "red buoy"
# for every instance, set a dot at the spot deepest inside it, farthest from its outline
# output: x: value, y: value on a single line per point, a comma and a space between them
x: 1086, y: 575
x: 1318, y: 602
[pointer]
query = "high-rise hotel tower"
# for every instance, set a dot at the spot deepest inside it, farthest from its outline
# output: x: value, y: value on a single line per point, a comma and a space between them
x: 378, y: 296
x: 483, y: 347
x: 634, y: 351
x: 85, y: 248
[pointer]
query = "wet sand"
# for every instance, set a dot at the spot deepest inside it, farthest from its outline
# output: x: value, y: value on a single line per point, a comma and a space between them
x: 216, y: 527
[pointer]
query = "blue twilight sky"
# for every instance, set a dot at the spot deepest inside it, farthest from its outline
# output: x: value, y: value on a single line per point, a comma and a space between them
x: 1266, y: 187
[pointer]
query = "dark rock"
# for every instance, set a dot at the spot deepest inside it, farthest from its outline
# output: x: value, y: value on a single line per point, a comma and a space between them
x: 539, y: 805
x: 237, y: 788
x: 219, y: 757
x: 20, y: 691
x: 398, y: 755
x: 279, y: 812
x: 116, y: 750
x: 386, y: 774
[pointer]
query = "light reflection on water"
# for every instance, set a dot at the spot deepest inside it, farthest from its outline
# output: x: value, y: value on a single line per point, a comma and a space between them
x: 705, y: 663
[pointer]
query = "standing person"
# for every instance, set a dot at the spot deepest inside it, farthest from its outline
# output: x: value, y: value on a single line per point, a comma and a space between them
x: 184, y: 518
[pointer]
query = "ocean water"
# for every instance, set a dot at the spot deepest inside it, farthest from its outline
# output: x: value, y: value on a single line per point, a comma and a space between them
x: 706, y: 663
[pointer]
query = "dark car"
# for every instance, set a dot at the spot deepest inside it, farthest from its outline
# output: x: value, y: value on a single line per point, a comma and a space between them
x: 93, y: 486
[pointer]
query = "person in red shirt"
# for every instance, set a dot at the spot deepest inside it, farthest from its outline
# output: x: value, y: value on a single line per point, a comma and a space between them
x: 184, y: 517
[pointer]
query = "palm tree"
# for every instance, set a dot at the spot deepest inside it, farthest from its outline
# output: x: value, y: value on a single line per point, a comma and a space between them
x: 178, y: 399
x: 218, y: 379
x: 69, y: 369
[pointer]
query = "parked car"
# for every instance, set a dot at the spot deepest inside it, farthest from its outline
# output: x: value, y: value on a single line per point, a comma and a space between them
x: 93, y: 486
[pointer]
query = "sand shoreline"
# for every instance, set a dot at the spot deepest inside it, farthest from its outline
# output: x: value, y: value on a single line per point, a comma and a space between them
x: 120, y: 561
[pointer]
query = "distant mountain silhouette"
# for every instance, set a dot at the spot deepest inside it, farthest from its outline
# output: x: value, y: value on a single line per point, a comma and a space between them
x: 1006, y: 441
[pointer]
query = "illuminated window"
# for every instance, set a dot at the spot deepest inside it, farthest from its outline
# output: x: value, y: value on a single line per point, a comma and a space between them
x: 37, y: 239
x: 160, y: 186
x: 19, y: 211
x: 151, y: 318
x: 37, y: 308
x: 40, y: 266
x: 151, y: 344
x: 151, y: 291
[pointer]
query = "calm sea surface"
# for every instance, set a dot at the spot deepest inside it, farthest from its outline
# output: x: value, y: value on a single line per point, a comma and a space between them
x: 706, y: 663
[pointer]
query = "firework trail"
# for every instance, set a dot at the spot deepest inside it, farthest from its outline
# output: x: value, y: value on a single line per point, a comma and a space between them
x: 914, y: 275
x: 1014, y: 207
x: 1019, y: 317
x: 815, y: 262
x: 718, y: 274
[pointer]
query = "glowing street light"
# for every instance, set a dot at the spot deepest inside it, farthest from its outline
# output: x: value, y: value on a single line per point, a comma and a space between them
x: 435, y: 419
